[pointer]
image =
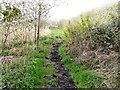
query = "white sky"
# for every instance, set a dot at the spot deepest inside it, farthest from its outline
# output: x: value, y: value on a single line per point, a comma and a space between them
x: 73, y: 8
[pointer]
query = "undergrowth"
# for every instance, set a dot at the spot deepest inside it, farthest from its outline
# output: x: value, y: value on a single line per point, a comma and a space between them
x: 83, y: 77
x: 94, y: 40
x: 29, y: 72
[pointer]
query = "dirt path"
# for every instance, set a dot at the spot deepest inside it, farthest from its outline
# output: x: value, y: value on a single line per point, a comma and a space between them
x: 63, y: 79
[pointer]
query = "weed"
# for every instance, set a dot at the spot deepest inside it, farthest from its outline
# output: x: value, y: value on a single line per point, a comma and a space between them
x: 83, y: 77
x: 30, y: 71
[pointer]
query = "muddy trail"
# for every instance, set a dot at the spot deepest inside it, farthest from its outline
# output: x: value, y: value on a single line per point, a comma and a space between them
x: 63, y: 78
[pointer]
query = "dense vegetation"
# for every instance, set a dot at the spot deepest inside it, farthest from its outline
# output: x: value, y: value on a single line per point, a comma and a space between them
x: 94, y: 40
x: 30, y: 70
x: 90, y: 51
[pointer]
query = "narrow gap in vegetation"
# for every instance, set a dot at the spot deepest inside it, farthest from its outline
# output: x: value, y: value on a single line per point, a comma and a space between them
x: 63, y: 78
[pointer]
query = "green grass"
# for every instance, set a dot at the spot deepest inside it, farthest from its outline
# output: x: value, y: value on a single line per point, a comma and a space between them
x: 57, y: 32
x: 30, y: 71
x: 83, y: 77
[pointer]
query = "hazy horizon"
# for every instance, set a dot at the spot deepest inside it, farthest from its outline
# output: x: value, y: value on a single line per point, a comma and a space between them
x: 74, y: 8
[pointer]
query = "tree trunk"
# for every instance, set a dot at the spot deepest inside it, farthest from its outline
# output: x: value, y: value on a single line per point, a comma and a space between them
x: 38, y: 31
x: 5, y: 40
x: 35, y: 26
x: 35, y: 33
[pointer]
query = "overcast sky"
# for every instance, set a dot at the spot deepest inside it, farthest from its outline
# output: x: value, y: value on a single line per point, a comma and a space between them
x: 73, y: 8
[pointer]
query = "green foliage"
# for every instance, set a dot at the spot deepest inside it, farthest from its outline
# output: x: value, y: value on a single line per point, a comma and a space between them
x: 83, y: 77
x: 20, y: 43
x: 57, y: 32
x: 29, y: 71
x: 96, y: 31
x: 93, y: 33
x: 25, y: 75
x: 107, y: 35
x: 80, y: 29
x: 53, y: 82
x: 11, y: 14
x: 5, y: 53
x: 45, y: 40
x: 0, y: 9
x: 16, y: 11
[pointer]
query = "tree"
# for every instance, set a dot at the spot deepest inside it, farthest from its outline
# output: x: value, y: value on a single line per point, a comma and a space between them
x: 23, y: 11
x: 40, y: 10
x: 0, y: 13
x: 9, y: 14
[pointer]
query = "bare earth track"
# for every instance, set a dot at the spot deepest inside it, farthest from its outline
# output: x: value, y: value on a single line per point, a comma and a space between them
x: 63, y: 78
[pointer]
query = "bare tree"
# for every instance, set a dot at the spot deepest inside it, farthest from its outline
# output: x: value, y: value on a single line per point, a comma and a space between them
x: 9, y: 14
x: 44, y: 7
x: 33, y: 10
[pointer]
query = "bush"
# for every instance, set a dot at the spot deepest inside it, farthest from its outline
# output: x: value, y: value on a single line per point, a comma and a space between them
x: 93, y: 39
x: 95, y: 32
x: 107, y: 35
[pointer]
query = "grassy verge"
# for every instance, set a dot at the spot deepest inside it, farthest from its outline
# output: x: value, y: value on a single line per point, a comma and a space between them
x: 32, y: 71
x: 57, y: 32
x: 83, y: 77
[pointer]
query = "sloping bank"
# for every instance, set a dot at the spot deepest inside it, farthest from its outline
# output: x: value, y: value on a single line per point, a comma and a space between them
x: 83, y: 77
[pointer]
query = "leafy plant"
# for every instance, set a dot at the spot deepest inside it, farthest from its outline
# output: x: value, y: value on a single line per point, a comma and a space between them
x: 11, y: 13
x: 106, y: 35
x: 29, y: 71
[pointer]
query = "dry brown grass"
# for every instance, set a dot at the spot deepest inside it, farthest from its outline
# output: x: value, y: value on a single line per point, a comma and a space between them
x: 18, y: 34
x: 101, y: 62
x: 22, y: 34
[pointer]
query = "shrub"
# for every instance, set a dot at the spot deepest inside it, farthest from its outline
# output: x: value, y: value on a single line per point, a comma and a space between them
x: 107, y: 35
